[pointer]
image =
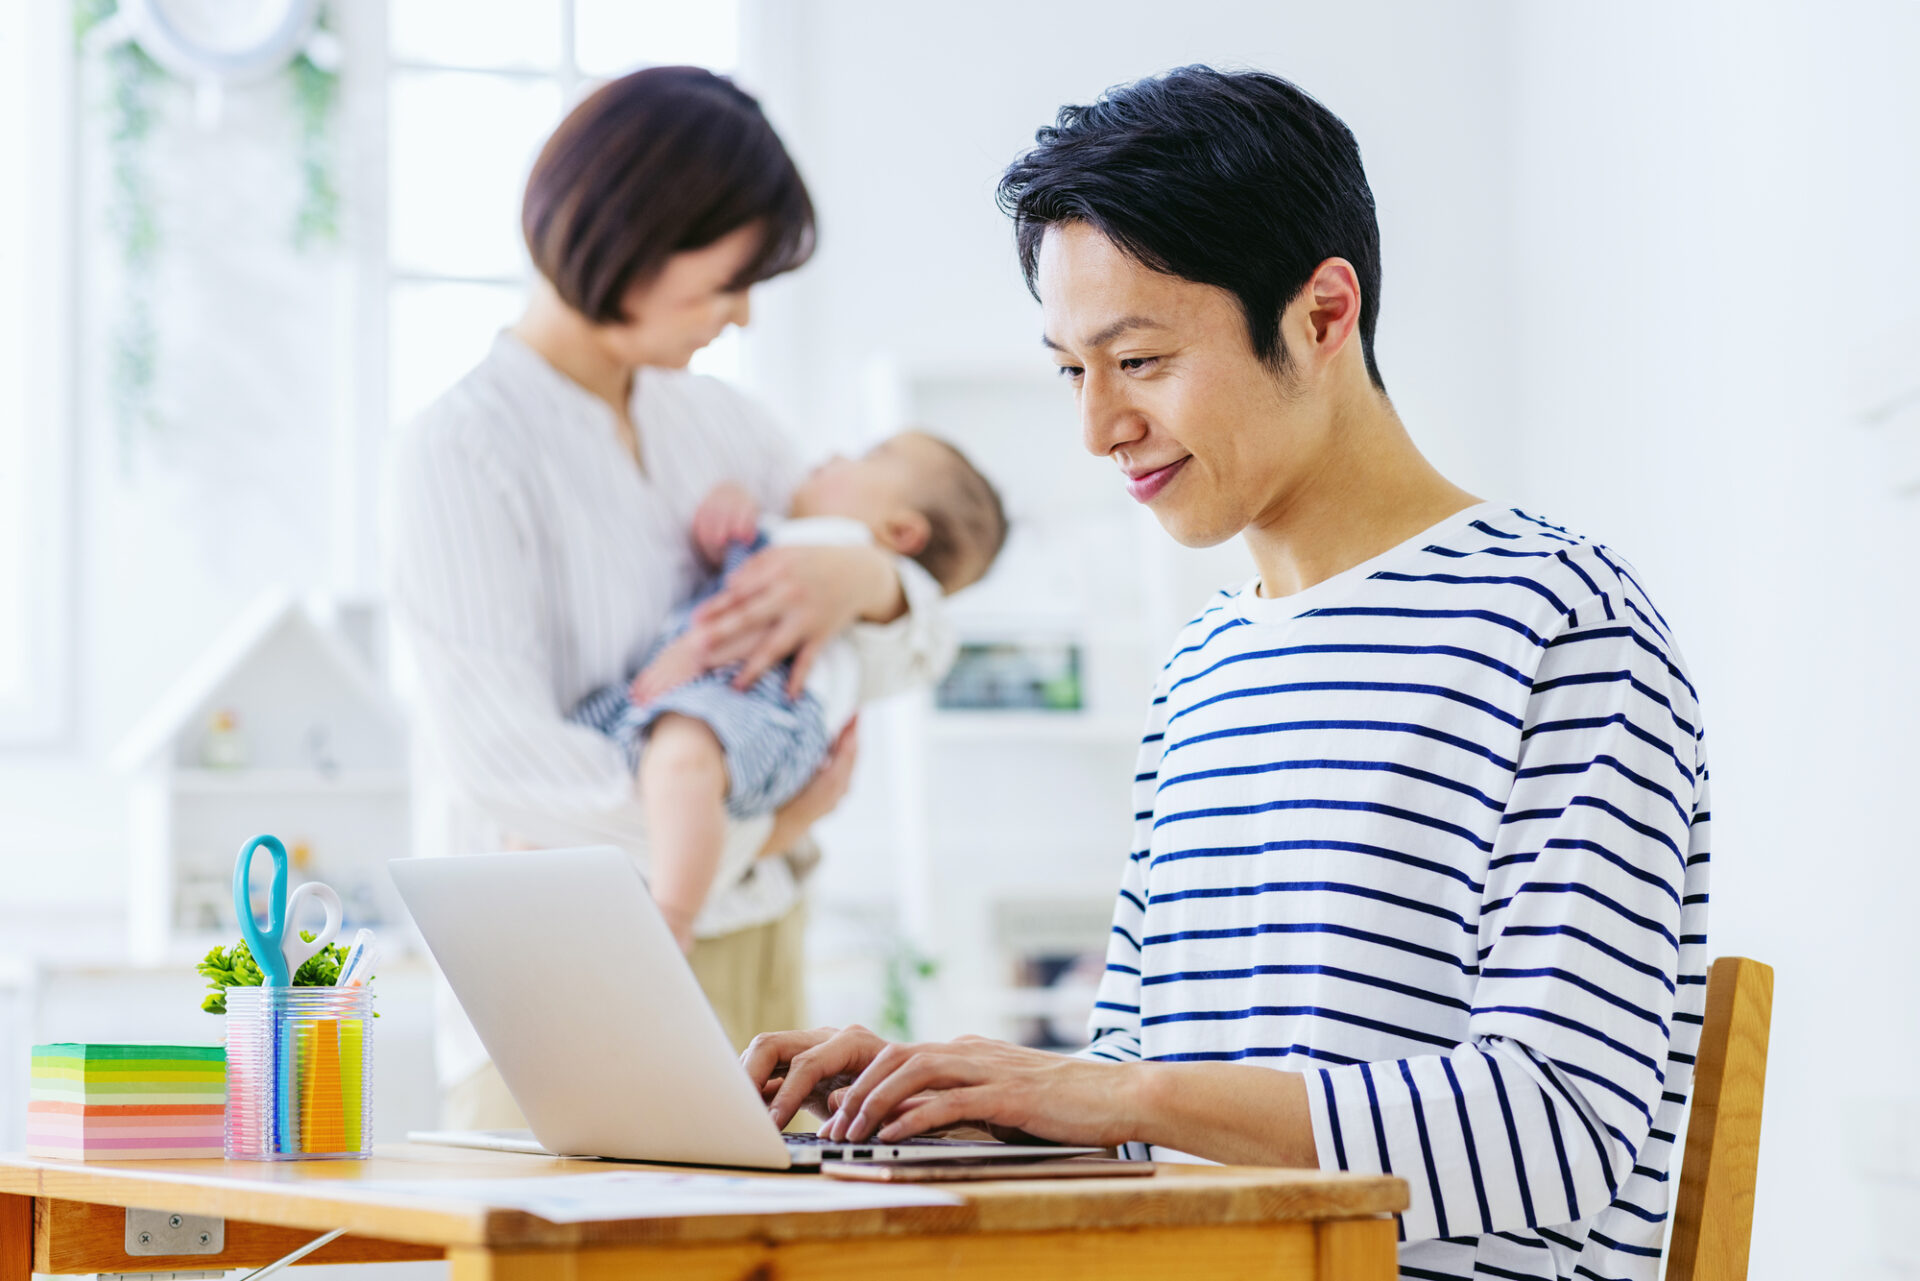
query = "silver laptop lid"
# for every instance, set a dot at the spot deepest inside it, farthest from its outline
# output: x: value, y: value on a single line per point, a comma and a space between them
x: 580, y: 994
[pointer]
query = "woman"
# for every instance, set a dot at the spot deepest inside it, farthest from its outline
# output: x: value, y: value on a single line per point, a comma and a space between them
x: 541, y: 515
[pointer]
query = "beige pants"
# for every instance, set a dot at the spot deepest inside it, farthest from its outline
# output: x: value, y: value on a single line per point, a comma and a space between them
x: 754, y: 978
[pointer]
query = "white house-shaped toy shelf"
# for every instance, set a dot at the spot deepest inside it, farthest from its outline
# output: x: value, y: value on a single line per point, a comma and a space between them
x: 318, y: 757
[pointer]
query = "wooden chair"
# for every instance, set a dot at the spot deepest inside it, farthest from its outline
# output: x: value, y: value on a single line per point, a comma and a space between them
x: 1713, y: 1217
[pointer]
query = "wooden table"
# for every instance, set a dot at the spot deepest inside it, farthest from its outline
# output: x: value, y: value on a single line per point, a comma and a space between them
x: 1217, y: 1222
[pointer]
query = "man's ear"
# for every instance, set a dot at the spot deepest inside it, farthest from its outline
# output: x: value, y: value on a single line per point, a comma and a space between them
x: 1330, y: 307
x: 905, y: 532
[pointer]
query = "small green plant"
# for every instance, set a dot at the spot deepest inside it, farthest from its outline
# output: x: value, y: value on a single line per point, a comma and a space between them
x: 226, y: 967
x: 906, y: 967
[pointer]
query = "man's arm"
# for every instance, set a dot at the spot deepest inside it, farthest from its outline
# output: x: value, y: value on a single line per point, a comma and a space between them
x: 1538, y: 1116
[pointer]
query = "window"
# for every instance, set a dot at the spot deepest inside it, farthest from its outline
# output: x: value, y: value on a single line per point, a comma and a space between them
x: 474, y: 89
x: 35, y: 427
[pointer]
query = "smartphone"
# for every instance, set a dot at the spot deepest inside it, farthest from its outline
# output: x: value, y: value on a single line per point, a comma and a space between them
x: 1079, y: 1167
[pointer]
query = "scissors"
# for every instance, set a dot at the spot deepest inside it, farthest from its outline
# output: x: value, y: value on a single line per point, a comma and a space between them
x: 279, y: 957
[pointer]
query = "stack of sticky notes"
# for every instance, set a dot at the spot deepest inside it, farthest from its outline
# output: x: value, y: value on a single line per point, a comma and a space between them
x: 97, y: 1102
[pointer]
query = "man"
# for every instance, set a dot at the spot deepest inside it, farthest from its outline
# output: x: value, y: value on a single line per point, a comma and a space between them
x: 1418, y: 881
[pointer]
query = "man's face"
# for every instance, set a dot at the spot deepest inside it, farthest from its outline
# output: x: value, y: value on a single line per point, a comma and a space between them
x: 1169, y: 387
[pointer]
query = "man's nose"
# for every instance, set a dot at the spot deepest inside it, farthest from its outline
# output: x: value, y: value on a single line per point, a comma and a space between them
x: 1107, y: 418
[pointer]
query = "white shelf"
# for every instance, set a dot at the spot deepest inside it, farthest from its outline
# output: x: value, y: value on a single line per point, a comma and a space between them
x: 1040, y: 1002
x: 987, y: 726
x: 287, y: 782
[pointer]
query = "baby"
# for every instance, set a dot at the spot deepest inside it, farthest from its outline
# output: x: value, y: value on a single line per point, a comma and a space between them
x: 704, y: 750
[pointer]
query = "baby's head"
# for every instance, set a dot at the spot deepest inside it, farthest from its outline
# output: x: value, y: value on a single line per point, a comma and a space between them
x: 921, y: 498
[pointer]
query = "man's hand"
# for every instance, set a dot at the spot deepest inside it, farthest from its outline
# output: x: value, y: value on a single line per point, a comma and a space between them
x: 868, y: 1087
x: 727, y: 515
x: 793, y: 1070
x: 1012, y: 1090
x: 678, y: 662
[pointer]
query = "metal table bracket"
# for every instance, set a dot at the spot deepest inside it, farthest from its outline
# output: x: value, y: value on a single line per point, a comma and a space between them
x: 157, y: 1232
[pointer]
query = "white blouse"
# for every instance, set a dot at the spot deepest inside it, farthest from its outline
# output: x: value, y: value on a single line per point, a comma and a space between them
x: 531, y: 561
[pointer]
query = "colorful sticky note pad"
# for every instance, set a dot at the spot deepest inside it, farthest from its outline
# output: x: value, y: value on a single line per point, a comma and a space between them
x: 100, y: 1102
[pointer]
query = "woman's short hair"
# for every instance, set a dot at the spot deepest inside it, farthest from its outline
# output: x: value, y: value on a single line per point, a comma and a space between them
x: 1234, y: 179
x: 656, y: 163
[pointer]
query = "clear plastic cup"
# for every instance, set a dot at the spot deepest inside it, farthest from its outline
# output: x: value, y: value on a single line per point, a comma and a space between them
x: 298, y: 1073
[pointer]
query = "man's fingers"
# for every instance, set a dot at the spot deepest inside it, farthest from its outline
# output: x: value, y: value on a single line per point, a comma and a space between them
x: 886, y: 1061
x: 938, y: 1110
x: 891, y: 1080
x: 807, y: 1069
x: 923, y: 1071
x: 793, y: 1092
x: 767, y: 1051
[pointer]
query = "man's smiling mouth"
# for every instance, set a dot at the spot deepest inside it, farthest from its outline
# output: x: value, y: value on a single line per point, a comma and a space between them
x: 1143, y: 486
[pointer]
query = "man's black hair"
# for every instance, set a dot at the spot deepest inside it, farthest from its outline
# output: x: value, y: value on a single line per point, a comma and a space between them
x: 1234, y: 179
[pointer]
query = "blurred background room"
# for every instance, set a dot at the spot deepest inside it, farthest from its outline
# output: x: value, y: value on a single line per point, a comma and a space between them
x: 1650, y: 269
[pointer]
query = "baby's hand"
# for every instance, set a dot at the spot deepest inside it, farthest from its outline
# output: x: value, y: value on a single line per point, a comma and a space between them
x: 727, y: 515
x: 676, y: 664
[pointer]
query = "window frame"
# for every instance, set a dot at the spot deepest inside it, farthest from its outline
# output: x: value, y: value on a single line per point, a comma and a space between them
x: 569, y: 78
x: 45, y: 714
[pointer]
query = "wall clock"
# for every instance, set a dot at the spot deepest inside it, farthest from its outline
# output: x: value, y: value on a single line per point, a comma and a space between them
x: 212, y: 44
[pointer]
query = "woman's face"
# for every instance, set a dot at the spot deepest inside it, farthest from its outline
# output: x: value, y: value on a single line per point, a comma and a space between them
x: 686, y: 305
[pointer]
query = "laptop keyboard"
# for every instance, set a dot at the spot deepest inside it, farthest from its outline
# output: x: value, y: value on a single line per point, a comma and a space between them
x: 814, y: 1140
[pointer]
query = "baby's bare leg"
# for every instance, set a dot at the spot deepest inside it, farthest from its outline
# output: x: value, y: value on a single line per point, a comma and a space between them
x: 683, y: 785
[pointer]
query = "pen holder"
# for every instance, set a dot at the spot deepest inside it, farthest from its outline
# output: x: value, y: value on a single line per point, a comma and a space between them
x: 298, y: 1073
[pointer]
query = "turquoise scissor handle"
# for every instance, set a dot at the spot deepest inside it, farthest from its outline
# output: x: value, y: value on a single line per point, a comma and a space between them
x: 265, y: 943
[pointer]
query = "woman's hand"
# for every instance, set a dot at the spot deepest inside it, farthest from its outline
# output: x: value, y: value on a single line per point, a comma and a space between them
x: 819, y: 798
x: 677, y: 663
x: 793, y: 600
x: 725, y: 516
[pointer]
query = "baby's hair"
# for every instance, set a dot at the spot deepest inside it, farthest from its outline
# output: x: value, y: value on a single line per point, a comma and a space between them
x: 966, y: 525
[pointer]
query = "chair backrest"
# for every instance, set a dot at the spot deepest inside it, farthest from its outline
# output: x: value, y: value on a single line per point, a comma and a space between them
x: 1713, y: 1217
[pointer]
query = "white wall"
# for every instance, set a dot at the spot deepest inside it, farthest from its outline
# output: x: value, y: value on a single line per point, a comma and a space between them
x: 1715, y: 205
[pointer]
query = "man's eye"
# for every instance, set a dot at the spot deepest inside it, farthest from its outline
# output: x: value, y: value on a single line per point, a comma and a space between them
x: 1136, y: 363
x: 1070, y: 371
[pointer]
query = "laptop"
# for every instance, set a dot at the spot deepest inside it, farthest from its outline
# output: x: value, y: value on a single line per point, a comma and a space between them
x: 597, y: 1025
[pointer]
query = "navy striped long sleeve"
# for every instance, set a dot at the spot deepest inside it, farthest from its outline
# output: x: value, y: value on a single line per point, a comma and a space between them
x: 1435, y: 832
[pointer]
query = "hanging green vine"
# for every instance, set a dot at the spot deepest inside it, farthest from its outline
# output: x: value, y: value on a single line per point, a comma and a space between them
x: 132, y: 215
x: 315, y: 92
x: 131, y: 106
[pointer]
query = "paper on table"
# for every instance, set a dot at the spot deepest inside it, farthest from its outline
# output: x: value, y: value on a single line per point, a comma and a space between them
x: 587, y: 1198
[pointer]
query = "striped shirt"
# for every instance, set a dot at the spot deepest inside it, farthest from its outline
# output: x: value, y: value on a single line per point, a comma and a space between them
x: 1434, y: 832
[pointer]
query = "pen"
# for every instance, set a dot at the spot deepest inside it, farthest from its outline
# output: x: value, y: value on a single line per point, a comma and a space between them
x: 362, y: 971
x: 356, y: 957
